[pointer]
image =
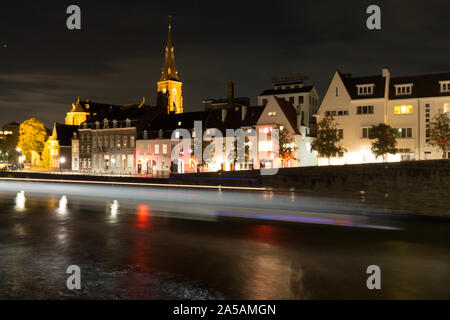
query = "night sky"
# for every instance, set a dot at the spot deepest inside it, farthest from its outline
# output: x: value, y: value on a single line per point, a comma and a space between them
x: 118, y: 54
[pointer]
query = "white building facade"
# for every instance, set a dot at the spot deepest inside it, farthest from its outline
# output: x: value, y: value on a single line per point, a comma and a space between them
x: 407, y: 104
x: 305, y: 99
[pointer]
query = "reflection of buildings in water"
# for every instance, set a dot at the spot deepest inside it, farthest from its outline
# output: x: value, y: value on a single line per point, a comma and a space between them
x: 62, y: 209
x: 143, y: 215
x: 20, y: 201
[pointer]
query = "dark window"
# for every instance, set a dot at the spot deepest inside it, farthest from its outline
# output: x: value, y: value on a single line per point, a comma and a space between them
x: 300, y: 99
x: 291, y: 100
x: 404, y: 133
x: 358, y: 110
x: 371, y: 109
x: 341, y: 133
x: 367, y: 133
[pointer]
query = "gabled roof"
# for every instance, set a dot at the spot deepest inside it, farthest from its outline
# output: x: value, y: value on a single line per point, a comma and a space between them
x: 289, y: 111
x: 351, y: 85
x: 252, y: 116
x: 76, y: 107
x: 272, y: 92
x: 423, y: 85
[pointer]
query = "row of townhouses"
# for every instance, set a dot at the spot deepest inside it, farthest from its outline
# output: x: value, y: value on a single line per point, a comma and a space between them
x: 139, y: 138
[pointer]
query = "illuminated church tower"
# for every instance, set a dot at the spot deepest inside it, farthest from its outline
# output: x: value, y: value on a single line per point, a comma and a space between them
x: 169, y: 85
x: 77, y: 115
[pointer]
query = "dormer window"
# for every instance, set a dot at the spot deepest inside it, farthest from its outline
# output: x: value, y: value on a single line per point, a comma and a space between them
x: 365, y: 89
x: 445, y: 86
x: 403, y: 89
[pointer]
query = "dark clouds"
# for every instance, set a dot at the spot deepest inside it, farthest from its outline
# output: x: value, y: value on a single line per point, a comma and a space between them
x: 117, y: 56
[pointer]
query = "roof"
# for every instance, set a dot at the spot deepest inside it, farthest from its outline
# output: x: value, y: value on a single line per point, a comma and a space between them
x: 65, y: 133
x: 423, y: 85
x: 426, y: 85
x: 272, y: 92
x: 351, y: 83
x: 174, y: 121
x: 211, y: 118
x: 289, y: 111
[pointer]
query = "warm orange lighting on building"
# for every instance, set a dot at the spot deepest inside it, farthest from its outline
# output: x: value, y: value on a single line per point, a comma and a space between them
x: 403, y: 109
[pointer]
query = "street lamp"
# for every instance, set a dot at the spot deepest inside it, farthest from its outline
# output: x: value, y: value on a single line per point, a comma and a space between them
x: 62, y: 160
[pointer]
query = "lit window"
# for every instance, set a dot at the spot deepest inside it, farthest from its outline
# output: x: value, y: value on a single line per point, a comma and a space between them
x: 447, y: 108
x: 130, y: 161
x: 273, y: 113
x: 403, y: 110
x: 156, y: 148
x: 265, y: 145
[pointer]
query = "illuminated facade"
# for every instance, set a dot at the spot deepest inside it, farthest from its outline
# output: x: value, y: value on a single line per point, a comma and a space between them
x: 408, y: 104
x: 76, y: 116
x: 305, y: 99
x: 59, y: 146
x: 52, y: 144
x: 169, y: 86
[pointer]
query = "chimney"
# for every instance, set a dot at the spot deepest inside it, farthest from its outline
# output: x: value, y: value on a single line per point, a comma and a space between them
x: 387, y: 75
x: 230, y: 94
x: 224, y: 114
x: 244, y: 112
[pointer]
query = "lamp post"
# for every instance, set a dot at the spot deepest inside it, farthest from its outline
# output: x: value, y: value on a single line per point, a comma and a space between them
x: 62, y: 160
x: 21, y: 157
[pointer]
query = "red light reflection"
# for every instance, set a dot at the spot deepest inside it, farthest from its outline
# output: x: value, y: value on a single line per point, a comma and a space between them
x: 143, y: 216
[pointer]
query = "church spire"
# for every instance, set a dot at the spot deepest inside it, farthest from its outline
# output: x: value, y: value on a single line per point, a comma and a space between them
x: 169, y: 71
x: 54, y: 136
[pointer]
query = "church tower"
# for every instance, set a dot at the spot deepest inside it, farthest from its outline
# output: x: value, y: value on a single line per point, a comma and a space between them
x: 77, y: 115
x: 170, y: 85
